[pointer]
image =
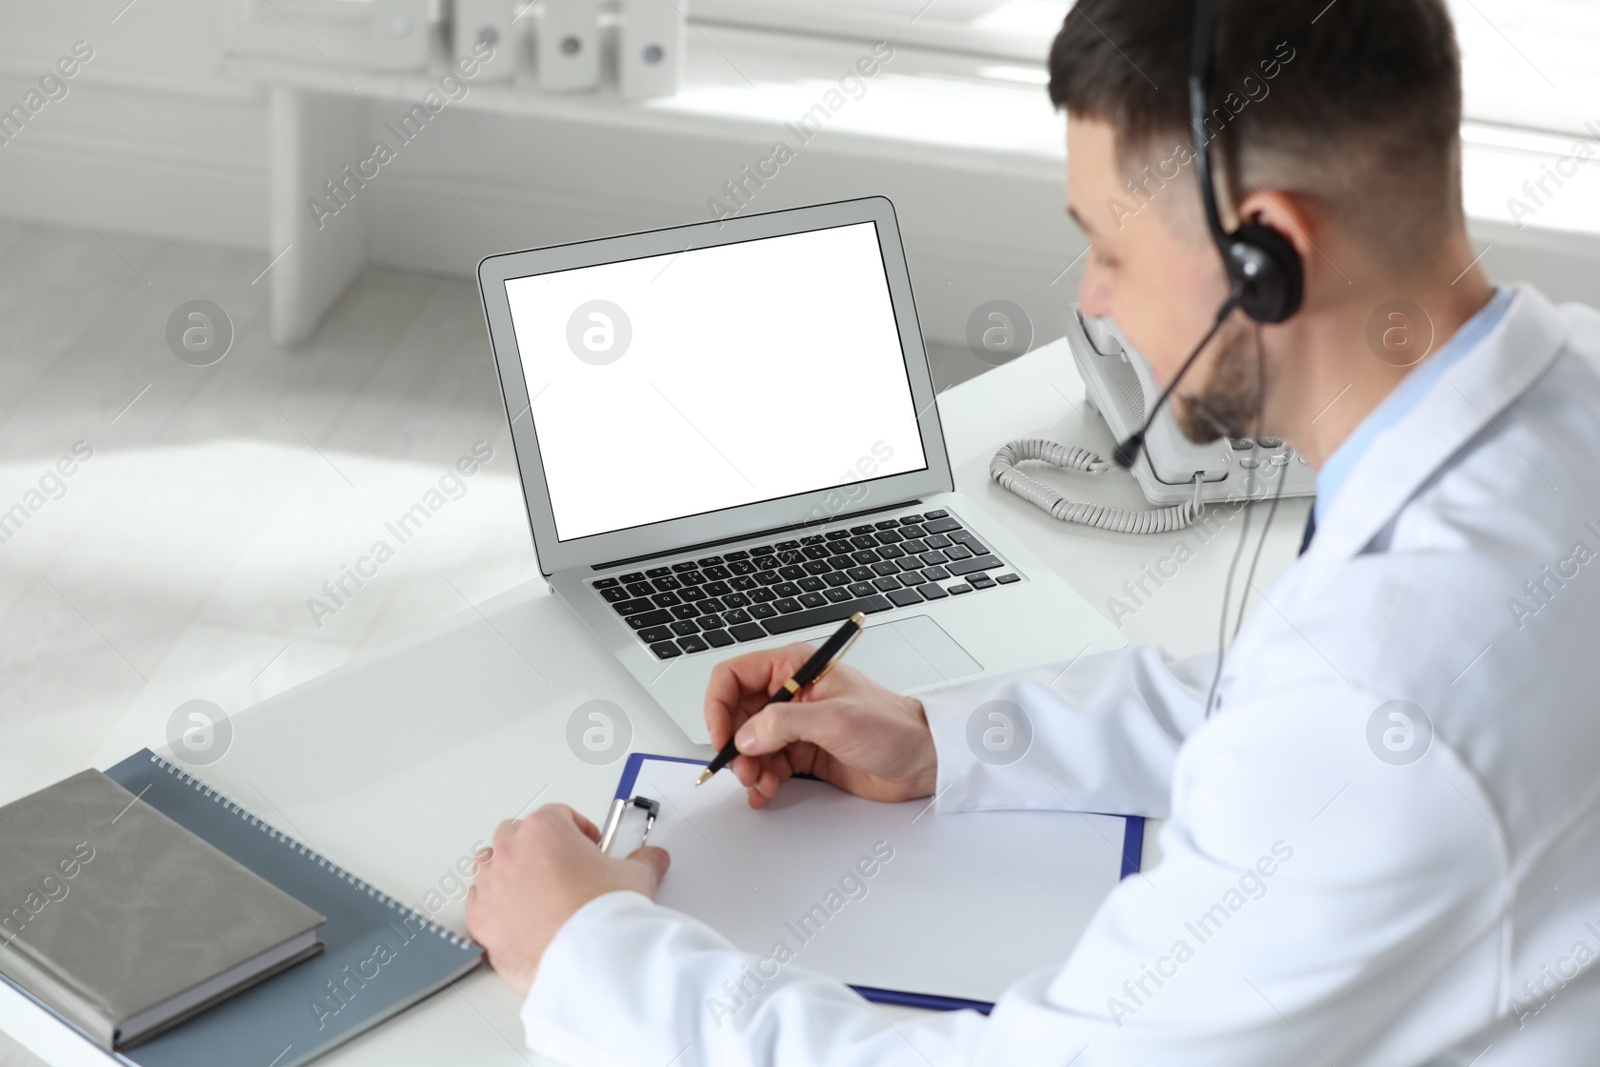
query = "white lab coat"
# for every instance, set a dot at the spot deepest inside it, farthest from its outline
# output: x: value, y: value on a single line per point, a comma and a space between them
x: 1315, y: 904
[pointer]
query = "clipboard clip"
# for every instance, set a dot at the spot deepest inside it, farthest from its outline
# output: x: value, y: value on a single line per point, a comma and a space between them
x: 652, y: 809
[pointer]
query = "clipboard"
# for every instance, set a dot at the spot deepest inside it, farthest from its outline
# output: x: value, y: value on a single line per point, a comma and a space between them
x: 955, y: 907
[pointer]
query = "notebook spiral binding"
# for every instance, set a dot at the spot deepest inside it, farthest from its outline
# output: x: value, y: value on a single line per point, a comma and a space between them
x: 232, y: 806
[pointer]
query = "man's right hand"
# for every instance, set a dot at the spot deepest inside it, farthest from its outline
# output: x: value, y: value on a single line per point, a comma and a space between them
x: 845, y: 729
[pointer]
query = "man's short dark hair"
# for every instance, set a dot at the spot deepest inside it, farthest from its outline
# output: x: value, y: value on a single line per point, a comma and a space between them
x: 1355, y: 104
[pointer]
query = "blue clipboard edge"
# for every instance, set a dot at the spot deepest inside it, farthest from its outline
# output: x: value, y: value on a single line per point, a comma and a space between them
x: 1132, y: 857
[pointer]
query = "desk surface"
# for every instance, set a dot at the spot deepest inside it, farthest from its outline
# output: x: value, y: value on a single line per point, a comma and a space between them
x: 396, y: 766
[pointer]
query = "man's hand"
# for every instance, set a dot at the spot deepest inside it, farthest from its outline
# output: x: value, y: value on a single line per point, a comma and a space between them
x: 846, y: 729
x: 537, y: 875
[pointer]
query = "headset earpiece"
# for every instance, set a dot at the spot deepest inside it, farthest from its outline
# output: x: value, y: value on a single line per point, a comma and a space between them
x: 1265, y: 268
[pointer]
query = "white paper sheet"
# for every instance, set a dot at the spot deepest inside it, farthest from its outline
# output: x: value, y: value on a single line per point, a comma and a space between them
x: 954, y: 905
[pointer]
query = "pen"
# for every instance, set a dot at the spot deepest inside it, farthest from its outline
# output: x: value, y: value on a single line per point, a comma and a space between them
x: 832, y: 650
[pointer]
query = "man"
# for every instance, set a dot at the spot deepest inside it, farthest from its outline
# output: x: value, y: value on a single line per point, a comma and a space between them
x: 1385, y: 805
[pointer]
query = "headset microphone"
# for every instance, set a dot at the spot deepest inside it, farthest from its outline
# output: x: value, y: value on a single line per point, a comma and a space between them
x: 1127, y: 452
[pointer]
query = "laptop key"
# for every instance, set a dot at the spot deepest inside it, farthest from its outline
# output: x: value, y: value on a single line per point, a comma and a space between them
x: 736, y: 600
x: 764, y: 550
x: 863, y: 541
x: 732, y: 556
x: 836, y: 579
x: 915, y: 545
x: 887, y: 585
x: 960, y: 552
x: 892, y: 552
x: 837, y: 596
x: 717, y: 638
x: 634, y: 607
x: 750, y: 631
x: 865, y: 556
x: 812, y: 600
x: 763, y: 595
x: 665, y: 650
x: 801, y: 620
x: 910, y: 520
x: 685, y: 627
x: 811, y: 585
x: 667, y: 584
x: 932, y: 591
x: 890, y: 537
x: 686, y: 565
x: 711, y: 605
x: 741, y: 566
x: 735, y: 616
x: 658, y: 572
x: 635, y: 576
x: 909, y: 564
x: 655, y: 634
x: 860, y: 530
x: 606, y: 583
x: 785, y: 546
x: 786, y: 589
x: 667, y: 600
x: 816, y: 566
x: 788, y: 605
x: 641, y: 588
x: 933, y: 557
x: 887, y: 524
x: 1008, y: 579
x: 941, y: 513
x: 613, y: 594
x: 942, y: 525
x: 792, y: 573
x: 692, y: 644
x: 837, y: 535
x: 690, y: 593
x: 886, y: 568
x: 710, y: 622
x: 862, y: 589
x: 743, y: 582
x: 717, y: 573
x: 709, y: 561
x: 973, y: 565
x: 685, y: 611
x: 763, y: 611
x: 905, y: 597
x: 964, y: 537
x: 982, y: 581
x: 936, y: 574
x: 691, y: 578
x: 861, y: 574
x: 957, y: 590
x: 768, y: 577
x: 650, y: 618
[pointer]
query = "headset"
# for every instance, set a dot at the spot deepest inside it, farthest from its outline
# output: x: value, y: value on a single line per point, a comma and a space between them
x: 1265, y: 275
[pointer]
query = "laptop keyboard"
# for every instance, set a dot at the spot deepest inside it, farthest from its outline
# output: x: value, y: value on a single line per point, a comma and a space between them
x: 716, y: 601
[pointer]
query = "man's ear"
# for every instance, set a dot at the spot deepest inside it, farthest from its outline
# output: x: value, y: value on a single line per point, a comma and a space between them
x: 1291, y: 215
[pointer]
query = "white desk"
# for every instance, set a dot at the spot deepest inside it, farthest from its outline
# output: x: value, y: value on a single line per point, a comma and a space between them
x: 397, y: 765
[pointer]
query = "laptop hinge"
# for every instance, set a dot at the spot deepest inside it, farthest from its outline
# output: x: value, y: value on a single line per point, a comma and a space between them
x: 841, y: 517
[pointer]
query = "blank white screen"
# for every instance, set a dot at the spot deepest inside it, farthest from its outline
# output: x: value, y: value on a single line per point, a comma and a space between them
x: 755, y: 371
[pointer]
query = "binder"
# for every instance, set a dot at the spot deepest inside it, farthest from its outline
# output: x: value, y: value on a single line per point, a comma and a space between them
x: 315, y: 1006
x: 977, y: 899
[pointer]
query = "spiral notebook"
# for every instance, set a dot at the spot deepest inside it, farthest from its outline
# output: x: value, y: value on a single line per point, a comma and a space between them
x: 381, y: 956
x: 905, y: 905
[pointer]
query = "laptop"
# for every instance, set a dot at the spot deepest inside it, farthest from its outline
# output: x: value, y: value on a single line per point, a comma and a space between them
x: 728, y: 440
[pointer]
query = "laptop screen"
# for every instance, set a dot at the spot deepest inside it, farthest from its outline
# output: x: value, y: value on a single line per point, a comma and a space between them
x: 698, y: 381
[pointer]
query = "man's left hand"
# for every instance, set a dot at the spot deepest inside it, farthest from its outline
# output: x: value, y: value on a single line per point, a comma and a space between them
x: 537, y: 875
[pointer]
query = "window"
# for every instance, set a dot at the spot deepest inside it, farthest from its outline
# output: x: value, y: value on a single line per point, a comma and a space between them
x: 1527, y: 62
x: 1011, y: 29
x: 1531, y: 62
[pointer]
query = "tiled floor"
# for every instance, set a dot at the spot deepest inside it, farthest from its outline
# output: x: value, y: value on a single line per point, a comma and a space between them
x: 178, y: 561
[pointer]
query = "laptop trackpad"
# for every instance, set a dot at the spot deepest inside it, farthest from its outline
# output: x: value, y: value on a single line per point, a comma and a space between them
x: 909, y: 653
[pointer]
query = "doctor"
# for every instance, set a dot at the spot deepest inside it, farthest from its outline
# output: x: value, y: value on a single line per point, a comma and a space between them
x: 1383, y: 842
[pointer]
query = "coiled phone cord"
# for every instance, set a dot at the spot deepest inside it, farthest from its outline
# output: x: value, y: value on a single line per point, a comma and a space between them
x: 1003, y: 469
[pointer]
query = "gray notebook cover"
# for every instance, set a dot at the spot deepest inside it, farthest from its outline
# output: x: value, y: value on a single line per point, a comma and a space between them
x: 117, y: 909
x: 381, y: 956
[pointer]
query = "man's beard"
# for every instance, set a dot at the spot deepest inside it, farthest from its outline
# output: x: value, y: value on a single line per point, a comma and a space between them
x: 1230, y: 404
